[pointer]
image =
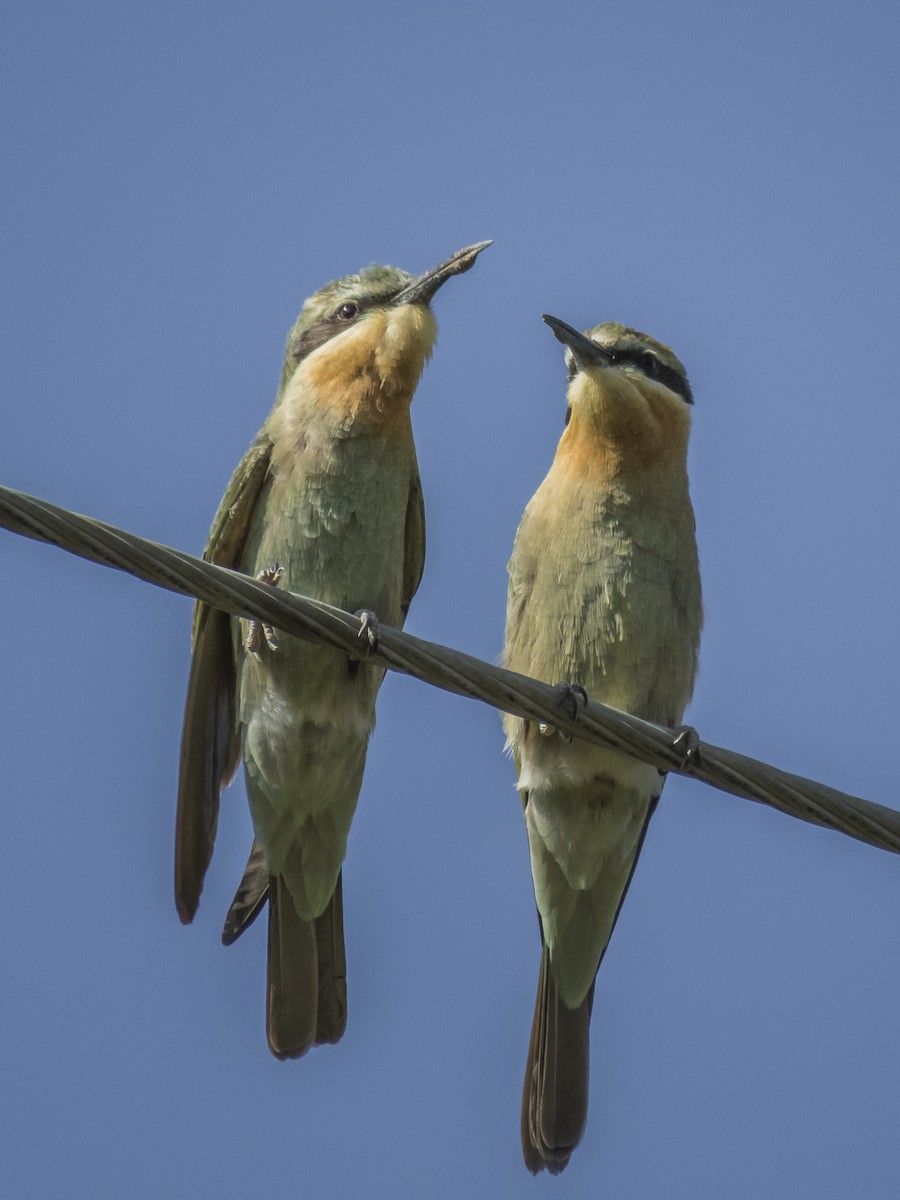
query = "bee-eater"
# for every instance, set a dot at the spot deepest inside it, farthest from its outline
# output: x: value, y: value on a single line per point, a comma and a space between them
x: 326, y: 502
x: 604, y: 592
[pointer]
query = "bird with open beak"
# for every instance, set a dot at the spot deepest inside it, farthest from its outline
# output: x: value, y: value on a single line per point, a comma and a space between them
x: 327, y: 502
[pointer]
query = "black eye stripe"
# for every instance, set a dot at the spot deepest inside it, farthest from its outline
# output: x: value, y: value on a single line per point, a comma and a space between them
x: 328, y: 327
x: 648, y: 364
x: 325, y: 328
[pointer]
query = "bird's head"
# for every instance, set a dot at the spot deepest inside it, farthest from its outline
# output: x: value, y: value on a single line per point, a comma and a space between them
x: 375, y: 327
x: 626, y: 391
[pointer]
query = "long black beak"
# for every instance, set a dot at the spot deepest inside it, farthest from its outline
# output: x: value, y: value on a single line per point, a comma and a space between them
x: 422, y: 289
x: 586, y: 352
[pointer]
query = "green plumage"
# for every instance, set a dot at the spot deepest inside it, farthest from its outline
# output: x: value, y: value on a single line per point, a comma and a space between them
x: 329, y: 493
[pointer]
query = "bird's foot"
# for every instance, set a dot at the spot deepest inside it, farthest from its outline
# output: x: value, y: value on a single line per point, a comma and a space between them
x: 572, y: 697
x: 261, y: 633
x: 368, y: 630
x: 687, y: 743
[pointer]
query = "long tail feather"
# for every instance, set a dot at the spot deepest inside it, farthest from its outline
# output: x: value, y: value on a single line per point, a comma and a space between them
x: 306, y: 992
x: 292, y: 976
x: 555, y: 1095
x: 250, y: 897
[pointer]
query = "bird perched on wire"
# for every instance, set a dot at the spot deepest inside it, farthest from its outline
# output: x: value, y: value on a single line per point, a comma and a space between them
x: 604, y: 593
x: 326, y: 502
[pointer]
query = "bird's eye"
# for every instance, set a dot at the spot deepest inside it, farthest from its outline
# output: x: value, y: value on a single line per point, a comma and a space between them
x: 650, y: 364
x: 347, y: 311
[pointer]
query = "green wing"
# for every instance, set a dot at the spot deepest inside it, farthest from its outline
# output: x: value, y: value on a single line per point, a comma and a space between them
x: 210, y: 743
x: 414, y: 545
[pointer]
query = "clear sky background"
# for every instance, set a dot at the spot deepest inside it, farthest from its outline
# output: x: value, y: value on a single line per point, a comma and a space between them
x: 176, y: 179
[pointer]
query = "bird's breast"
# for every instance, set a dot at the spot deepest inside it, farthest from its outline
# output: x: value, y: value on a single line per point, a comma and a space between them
x: 605, y: 590
x: 332, y: 515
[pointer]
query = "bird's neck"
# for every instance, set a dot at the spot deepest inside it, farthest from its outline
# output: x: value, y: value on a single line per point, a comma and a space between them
x: 620, y: 431
x: 365, y: 378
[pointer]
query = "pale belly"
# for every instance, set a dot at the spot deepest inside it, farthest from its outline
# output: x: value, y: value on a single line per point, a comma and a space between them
x: 305, y: 710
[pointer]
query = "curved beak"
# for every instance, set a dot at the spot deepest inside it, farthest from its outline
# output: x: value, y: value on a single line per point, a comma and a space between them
x: 422, y: 289
x: 586, y: 352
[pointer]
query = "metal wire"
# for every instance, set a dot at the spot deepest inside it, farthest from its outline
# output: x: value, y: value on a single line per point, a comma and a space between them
x: 446, y: 668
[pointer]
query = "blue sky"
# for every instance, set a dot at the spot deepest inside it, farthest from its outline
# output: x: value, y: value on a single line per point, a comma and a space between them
x: 175, y: 183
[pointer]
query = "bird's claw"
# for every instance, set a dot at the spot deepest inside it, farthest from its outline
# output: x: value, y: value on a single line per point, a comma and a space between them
x: 368, y: 630
x: 572, y: 697
x: 687, y: 743
x: 261, y: 633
